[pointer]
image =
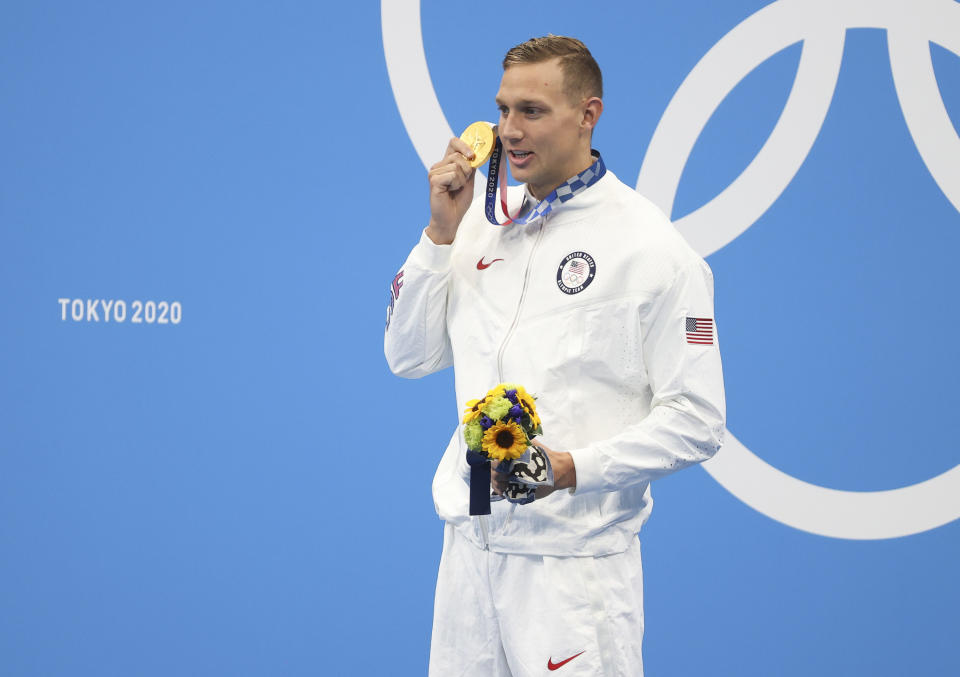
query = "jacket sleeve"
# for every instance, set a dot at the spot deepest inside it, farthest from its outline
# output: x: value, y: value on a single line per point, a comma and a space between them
x: 686, y: 422
x: 415, y: 340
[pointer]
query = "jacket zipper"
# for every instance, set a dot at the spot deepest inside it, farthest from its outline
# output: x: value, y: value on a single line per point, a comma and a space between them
x: 523, y: 293
x: 482, y: 519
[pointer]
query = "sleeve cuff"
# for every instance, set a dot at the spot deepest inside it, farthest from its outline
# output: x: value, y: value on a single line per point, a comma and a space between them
x: 587, y: 463
x: 431, y: 256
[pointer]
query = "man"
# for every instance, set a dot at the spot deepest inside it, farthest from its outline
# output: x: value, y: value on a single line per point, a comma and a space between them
x: 600, y: 309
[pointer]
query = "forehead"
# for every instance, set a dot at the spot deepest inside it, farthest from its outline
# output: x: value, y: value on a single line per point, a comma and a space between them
x: 532, y: 81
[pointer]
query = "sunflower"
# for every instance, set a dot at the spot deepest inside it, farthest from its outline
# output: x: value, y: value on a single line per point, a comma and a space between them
x: 534, y: 418
x: 504, y: 441
x: 526, y: 402
x: 526, y: 399
x: 472, y: 411
x: 474, y: 408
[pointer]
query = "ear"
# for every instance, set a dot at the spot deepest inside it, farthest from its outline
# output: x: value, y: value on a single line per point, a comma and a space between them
x: 592, y: 108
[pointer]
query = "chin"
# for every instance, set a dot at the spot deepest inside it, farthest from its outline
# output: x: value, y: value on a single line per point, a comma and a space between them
x: 520, y: 175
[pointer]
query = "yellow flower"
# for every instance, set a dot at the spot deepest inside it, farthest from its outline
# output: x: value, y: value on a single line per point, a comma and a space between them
x: 504, y: 441
x: 474, y: 408
x: 526, y: 399
x: 496, y: 391
x: 535, y: 419
x: 472, y: 411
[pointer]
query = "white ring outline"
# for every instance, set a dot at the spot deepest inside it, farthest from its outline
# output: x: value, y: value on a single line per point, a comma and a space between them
x: 821, y: 25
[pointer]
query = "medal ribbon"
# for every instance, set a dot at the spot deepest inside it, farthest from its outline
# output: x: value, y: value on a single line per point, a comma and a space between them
x: 480, y: 473
x: 479, y: 483
x: 497, y: 173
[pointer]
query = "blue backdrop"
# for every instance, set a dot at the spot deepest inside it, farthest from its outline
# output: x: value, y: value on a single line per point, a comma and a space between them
x: 179, y: 486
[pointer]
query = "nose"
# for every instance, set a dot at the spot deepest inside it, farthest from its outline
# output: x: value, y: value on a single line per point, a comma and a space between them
x: 509, y: 129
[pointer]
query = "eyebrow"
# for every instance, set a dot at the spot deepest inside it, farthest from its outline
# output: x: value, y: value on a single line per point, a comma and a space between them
x: 523, y: 102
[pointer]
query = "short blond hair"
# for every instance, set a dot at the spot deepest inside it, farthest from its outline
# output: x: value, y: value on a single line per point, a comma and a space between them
x: 581, y: 74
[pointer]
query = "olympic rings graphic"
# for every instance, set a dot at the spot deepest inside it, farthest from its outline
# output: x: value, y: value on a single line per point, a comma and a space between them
x: 821, y: 26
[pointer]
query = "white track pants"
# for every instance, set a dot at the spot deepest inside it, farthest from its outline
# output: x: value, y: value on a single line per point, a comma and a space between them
x: 499, y: 615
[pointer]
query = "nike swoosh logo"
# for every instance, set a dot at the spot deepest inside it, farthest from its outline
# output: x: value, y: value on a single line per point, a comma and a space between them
x: 554, y: 666
x: 483, y: 266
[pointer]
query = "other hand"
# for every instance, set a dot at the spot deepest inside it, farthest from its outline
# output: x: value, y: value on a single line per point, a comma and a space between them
x: 564, y: 474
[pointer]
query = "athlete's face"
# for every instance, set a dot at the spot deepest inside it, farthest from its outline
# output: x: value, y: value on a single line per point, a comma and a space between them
x: 545, y: 135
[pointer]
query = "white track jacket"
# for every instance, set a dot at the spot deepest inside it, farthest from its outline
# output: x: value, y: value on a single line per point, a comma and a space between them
x: 617, y: 341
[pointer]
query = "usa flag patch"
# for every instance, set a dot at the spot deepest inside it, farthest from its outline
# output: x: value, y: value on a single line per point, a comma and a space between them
x: 700, y: 330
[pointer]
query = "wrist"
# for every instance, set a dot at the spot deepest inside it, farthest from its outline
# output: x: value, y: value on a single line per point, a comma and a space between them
x: 564, y: 471
x: 439, y: 235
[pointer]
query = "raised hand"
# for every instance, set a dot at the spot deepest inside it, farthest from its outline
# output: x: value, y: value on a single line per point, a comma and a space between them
x: 451, y: 191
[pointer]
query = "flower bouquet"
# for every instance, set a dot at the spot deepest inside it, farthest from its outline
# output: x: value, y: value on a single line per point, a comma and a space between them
x: 499, y: 428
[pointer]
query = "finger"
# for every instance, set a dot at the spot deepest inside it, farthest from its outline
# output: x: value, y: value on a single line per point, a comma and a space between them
x: 542, y: 492
x: 454, y: 162
x: 444, y: 179
x: 455, y: 149
x: 446, y: 161
x: 451, y: 163
x: 464, y: 165
x: 460, y: 147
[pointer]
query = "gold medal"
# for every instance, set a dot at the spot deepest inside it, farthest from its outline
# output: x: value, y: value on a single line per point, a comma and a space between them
x: 479, y: 136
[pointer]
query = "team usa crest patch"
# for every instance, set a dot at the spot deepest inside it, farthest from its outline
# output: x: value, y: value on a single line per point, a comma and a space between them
x: 576, y: 272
